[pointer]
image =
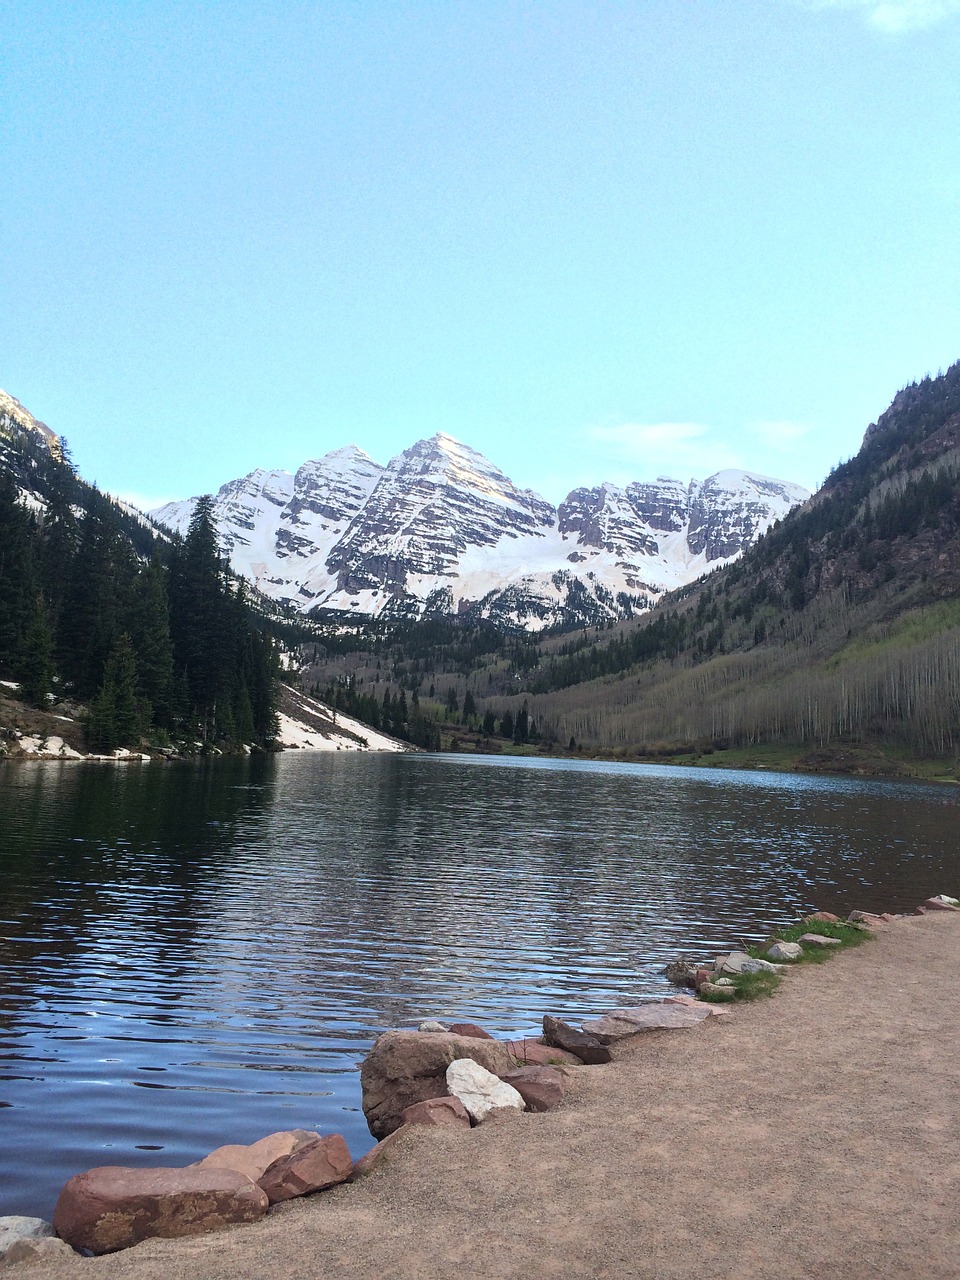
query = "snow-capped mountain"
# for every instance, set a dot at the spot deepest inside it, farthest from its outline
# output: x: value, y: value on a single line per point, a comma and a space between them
x: 441, y: 529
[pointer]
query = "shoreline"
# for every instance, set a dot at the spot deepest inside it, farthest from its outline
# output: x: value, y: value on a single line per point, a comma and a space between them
x: 814, y: 1126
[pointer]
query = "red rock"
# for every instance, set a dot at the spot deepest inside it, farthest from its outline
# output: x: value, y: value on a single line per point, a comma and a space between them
x: 700, y: 977
x: 405, y: 1067
x: 937, y: 904
x: 541, y: 1088
x: 437, y: 1112
x: 376, y: 1155
x: 919, y: 911
x: 113, y: 1207
x: 323, y: 1163
x: 825, y: 917
x: 534, y: 1053
x: 256, y: 1158
x: 471, y: 1030
x: 585, y: 1046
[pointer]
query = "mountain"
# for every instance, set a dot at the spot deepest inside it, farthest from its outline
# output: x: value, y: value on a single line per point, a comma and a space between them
x: 838, y: 630
x: 441, y: 530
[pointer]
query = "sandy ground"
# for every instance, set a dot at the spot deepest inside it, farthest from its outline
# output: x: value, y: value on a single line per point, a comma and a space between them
x: 813, y: 1134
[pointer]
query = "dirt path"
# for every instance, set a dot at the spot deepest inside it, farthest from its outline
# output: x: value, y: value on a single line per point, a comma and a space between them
x: 814, y: 1134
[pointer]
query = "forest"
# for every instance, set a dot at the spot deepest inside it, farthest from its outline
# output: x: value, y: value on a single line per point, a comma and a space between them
x: 152, y: 637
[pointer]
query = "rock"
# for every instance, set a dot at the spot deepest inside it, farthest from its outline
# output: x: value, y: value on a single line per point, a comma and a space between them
x: 380, y: 1153
x: 818, y: 940
x: 30, y: 1249
x: 822, y: 917
x: 113, y: 1207
x: 437, y: 1112
x: 645, y: 1017
x: 941, y: 904
x: 432, y: 1026
x: 753, y: 965
x: 702, y: 975
x: 321, y: 1164
x: 867, y: 918
x: 534, y: 1053
x: 28, y: 1240
x: 718, y: 992
x: 541, y: 1088
x: 16, y: 1227
x: 255, y: 1159
x: 945, y: 897
x: 732, y: 963
x: 707, y: 1008
x: 587, y: 1048
x: 405, y: 1067
x: 472, y: 1030
x: 724, y: 982
x: 480, y: 1090
x: 785, y: 951
x: 680, y: 972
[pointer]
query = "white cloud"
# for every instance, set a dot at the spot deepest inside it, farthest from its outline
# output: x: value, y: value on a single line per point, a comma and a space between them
x: 644, y: 450
x: 142, y: 501
x: 895, y: 16
x: 780, y: 436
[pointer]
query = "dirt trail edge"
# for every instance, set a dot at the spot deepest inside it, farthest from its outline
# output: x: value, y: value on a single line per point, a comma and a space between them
x: 814, y: 1133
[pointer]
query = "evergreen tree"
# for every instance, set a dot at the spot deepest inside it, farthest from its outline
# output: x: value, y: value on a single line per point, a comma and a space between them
x: 35, y: 669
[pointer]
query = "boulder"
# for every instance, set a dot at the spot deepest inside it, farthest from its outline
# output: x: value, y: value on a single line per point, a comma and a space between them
x: 541, y: 1088
x: 941, y: 904
x: 470, y: 1029
x: 321, y: 1164
x: 945, y: 897
x: 28, y: 1240
x: 655, y: 1016
x: 380, y: 1153
x: 869, y: 919
x: 437, y: 1112
x: 405, y: 1067
x: 786, y: 951
x: 680, y: 972
x: 717, y: 992
x: 586, y: 1047
x: 113, y: 1207
x: 753, y: 965
x: 817, y: 940
x: 431, y: 1025
x: 534, y: 1053
x: 255, y: 1159
x: 480, y: 1090
x: 822, y: 917
x: 733, y: 962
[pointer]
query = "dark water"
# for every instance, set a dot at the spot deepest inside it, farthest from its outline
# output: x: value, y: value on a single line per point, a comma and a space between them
x: 199, y: 955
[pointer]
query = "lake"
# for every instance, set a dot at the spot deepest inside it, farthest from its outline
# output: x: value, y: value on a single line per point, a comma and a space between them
x: 201, y: 954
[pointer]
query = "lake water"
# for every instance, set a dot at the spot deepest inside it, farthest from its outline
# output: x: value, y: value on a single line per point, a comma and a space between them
x: 194, y: 955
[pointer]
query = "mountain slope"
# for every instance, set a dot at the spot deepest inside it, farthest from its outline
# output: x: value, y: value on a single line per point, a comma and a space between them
x: 841, y: 625
x: 441, y: 530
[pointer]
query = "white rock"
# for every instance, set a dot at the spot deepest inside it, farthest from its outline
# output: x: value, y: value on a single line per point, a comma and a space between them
x: 732, y: 963
x: 750, y: 965
x: 944, y: 897
x: 785, y: 951
x: 24, y: 1239
x: 480, y: 1090
x: 432, y: 1025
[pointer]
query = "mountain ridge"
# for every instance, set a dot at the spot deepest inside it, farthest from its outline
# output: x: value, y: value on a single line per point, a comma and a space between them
x: 441, y: 529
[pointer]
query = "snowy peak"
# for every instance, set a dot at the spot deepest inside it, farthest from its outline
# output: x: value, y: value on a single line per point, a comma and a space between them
x: 12, y: 413
x: 441, y: 528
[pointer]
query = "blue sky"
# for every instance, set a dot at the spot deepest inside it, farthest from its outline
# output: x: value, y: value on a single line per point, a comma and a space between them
x: 603, y: 240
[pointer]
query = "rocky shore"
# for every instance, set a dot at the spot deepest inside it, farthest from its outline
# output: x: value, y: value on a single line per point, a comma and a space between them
x: 820, y: 1126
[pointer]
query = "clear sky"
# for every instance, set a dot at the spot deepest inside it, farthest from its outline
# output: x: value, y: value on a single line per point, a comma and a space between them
x: 595, y: 240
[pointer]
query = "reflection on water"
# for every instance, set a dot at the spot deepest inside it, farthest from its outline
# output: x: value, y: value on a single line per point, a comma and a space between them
x: 200, y: 955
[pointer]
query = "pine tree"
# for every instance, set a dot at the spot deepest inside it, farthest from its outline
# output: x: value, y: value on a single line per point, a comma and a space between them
x: 35, y: 668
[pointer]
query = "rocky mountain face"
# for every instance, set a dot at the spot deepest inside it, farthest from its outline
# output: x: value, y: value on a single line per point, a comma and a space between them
x: 440, y: 529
